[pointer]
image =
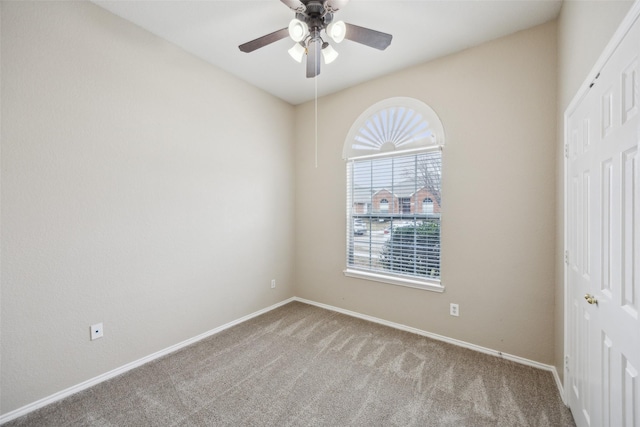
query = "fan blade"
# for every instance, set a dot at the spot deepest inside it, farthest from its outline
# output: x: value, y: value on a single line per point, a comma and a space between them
x: 295, y: 5
x: 314, y: 51
x: 332, y: 6
x: 365, y: 36
x: 264, y: 40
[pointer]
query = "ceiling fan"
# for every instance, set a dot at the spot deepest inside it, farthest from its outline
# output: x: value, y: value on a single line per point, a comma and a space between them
x: 312, y: 17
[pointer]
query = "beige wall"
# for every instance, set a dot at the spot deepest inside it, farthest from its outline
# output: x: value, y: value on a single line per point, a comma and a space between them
x: 127, y: 196
x: 133, y: 193
x: 584, y: 29
x: 498, y: 106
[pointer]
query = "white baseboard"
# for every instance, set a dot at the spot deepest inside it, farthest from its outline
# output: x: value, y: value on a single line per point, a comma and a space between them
x: 121, y: 370
x: 517, y: 359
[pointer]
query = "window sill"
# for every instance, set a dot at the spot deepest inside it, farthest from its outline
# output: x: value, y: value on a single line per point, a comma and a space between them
x: 395, y: 280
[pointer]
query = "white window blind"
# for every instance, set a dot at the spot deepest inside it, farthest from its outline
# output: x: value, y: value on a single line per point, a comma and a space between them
x: 391, y: 230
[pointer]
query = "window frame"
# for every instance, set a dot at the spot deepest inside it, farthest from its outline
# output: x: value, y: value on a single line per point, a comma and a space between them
x: 351, y: 155
x: 398, y: 279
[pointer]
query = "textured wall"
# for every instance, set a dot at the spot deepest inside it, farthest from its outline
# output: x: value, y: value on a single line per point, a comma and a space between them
x: 141, y: 188
x: 497, y: 103
x: 584, y: 29
x: 128, y: 197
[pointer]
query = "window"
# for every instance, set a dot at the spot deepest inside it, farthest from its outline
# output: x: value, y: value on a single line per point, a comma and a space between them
x: 394, y: 165
x: 427, y: 206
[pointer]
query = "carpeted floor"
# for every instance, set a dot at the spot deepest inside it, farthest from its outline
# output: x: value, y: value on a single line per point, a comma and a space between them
x: 300, y: 365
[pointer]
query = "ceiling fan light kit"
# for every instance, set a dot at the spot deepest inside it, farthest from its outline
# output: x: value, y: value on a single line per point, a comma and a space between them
x: 297, y: 52
x: 329, y: 54
x: 337, y: 31
x: 313, y: 16
x: 298, y: 30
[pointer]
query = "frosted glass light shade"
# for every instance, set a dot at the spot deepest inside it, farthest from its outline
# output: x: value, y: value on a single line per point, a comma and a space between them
x: 329, y: 54
x: 337, y: 30
x: 297, y: 52
x: 298, y: 30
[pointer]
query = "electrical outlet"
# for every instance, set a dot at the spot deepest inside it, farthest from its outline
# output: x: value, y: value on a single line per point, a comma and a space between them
x: 273, y: 283
x: 454, y: 310
x: 97, y: 331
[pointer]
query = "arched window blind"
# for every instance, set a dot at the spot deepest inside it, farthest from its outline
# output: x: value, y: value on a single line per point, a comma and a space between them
x: 394, y: 194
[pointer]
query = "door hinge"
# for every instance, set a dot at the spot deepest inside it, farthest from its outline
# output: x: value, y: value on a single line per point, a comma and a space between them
x: 566, y: 150
x: 566, y: 257
x: 566, y: 363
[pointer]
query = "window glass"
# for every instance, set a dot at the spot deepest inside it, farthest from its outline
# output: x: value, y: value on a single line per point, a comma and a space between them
x: 401, y: 235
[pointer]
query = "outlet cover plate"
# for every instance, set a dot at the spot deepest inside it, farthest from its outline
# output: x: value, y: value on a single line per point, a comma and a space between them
x: 454, y: 309
x: 97, y: 331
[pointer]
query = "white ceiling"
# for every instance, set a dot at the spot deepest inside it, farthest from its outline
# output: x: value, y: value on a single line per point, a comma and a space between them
x: 422, y: 30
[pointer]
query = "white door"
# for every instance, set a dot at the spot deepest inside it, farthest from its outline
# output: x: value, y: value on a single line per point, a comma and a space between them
x: 603, y: 245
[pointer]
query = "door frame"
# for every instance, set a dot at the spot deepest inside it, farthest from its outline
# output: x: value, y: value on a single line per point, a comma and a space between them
x: 605, y: 55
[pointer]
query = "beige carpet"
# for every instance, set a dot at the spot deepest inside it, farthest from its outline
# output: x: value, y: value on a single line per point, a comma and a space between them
x: 300, y: 365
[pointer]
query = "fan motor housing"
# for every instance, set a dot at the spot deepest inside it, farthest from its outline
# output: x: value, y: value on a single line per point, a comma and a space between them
x: 315, y: 16
x: 315, y: 7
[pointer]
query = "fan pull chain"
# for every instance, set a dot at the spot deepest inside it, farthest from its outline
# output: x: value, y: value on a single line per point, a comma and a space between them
x: 315, y: 79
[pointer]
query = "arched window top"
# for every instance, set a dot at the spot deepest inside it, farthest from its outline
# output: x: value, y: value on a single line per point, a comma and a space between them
x: 392, y: 126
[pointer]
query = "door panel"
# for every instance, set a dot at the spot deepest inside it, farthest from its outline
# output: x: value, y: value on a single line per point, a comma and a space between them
x: 629, y: 294
x: 629, y: 394
x: 606, y: 369
x: 580, y: 224
x: 603, y: 243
